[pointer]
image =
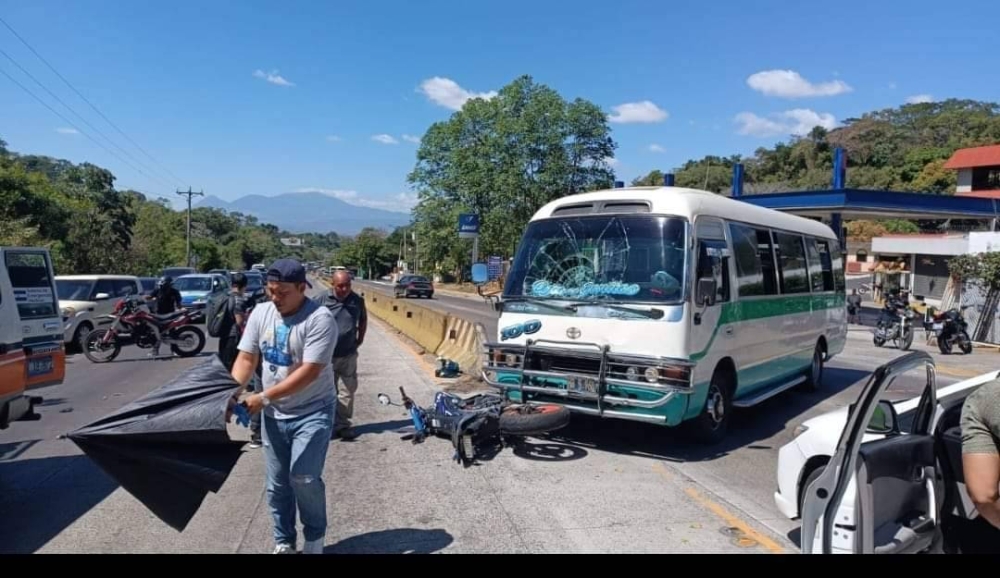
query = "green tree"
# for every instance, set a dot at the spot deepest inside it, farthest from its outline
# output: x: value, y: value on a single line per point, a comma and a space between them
x: 504, y: 158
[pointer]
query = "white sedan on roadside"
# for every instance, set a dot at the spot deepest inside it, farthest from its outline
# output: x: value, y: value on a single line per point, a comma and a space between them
x: 803, y: 461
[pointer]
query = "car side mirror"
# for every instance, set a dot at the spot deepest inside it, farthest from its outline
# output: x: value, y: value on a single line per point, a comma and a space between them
x: 480, y: 273
x: 707, y: 289
x: 884, y: 419
x: 102, y: 297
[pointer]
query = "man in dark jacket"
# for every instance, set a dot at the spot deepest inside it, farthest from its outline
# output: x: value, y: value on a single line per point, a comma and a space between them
x: 349, y: 311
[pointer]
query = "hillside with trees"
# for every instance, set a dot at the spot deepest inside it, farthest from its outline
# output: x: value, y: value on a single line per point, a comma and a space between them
x: 91, y: 227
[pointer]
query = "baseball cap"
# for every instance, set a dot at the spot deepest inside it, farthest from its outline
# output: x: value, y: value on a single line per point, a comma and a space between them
x: 287, y: 271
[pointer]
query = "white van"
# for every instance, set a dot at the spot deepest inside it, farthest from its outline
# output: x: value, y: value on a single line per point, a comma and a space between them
x: 667, y: 305
x: 31, y: 338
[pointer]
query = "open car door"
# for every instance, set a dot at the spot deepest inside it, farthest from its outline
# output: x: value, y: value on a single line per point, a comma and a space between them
x: 897, y: 497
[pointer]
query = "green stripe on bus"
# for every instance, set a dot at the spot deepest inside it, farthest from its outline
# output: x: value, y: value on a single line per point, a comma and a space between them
x: 764, y: 308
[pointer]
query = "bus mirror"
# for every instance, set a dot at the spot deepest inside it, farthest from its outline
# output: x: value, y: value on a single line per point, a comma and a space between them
x: 707, y: 289
x: 480, y: 274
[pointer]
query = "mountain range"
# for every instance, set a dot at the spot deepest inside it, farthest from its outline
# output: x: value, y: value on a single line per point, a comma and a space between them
x: 309, y: 213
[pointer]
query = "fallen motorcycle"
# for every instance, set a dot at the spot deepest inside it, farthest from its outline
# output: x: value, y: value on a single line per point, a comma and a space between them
x: 478, y: 423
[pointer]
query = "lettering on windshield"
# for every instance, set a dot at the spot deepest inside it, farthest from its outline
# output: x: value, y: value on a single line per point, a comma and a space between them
x: 542, y: 288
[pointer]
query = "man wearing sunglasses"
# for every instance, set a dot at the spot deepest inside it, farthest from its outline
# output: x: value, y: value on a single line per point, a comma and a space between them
x: 295, y: 338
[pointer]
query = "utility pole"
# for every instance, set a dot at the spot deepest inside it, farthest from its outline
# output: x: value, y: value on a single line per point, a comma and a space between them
x: 189, y: 194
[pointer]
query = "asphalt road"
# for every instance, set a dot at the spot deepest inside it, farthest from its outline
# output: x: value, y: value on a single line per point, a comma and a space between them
x: 49, y: 488
x: 743, y: 468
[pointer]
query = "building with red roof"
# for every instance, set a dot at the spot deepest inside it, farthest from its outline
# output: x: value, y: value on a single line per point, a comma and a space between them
x: 978, y: 171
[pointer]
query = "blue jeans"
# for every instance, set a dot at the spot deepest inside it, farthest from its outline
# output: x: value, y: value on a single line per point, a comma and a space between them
x: 296, y: 452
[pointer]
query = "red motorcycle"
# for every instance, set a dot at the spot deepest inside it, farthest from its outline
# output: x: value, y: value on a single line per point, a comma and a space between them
x: 132, y: 317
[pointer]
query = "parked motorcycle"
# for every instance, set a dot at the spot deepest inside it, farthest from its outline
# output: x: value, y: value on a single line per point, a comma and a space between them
x: 951, y: 329
x: 132, y: 317
x: 895, y: 323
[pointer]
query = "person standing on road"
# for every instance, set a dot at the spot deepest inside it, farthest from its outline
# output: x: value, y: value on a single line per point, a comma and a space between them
x: 980, y: 424
x: 853, y: 306
x: 351, y: 317
x: 233, y: 326
x: 296, y: 338
x: 168, y: 300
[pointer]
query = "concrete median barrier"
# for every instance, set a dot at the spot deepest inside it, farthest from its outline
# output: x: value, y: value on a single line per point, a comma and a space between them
x: 438, y: 333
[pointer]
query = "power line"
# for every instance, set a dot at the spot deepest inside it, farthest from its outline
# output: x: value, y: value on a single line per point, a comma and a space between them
x: 69, y: 122
x: 101, y: 114
x: 85, y: 121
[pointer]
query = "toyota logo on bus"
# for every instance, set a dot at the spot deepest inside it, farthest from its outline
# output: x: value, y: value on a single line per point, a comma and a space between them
x: 573, y: 333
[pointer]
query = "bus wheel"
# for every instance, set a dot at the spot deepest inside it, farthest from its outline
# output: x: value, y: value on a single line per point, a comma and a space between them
x: 815, y: 376
x: 711, y: 426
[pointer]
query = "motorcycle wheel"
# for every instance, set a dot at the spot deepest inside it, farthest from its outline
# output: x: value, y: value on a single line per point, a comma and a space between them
x: 965, y: 344
x: 878, y: 341
x: 907, y: 339
x: 92, y: 341
x: 191, y: 335
x: 533, y: 420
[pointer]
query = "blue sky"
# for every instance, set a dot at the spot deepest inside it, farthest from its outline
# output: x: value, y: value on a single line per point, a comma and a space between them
x: 241, y: 97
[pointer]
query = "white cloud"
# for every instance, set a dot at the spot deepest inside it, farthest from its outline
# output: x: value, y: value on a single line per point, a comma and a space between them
x: 333, y: 138
x: 797, y: 122
x: 612, y: 162
x: 399, y: 203
x: 636, y: 112
x: 64, y: 130
x: 385, y: 139
x: 273, y: 77
x: 790, y: 84
x: 411, y: 138
x: 447, y: 93
x: 655, y: 148
x: 919, y: 98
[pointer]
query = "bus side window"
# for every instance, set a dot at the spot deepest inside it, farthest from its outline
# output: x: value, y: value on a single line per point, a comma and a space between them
x: 827, y: 265
x: 713, y: 263
x: 754, y: 256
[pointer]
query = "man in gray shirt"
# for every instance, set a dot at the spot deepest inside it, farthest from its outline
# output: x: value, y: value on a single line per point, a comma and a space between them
x: 981, y: 451
x: 349, y: 311
x: 296, y: 338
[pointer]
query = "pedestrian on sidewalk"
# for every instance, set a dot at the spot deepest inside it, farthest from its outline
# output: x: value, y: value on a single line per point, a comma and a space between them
x: 296, y: 338
x: 351, y: 317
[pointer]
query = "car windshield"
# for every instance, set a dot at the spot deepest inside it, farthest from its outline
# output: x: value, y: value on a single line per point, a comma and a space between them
x: 635, y: 258
x: 193, y: 284
x: 254, y: 281
x: 74, y: 290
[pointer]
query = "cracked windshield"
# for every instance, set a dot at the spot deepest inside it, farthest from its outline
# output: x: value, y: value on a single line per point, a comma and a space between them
x: 509, y: 277
x: 629, y: 258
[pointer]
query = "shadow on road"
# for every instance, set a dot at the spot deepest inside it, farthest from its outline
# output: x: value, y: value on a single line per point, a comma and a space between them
x: 748, y: 427
x: 42, y: 497
x: 398, y: 541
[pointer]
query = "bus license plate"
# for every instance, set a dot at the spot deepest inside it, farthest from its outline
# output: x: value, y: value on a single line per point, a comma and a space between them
x: 583, y: 385
x: 40, y: 366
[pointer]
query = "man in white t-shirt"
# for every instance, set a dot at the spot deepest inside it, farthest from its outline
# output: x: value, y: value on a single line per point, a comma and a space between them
x: 296, y: 338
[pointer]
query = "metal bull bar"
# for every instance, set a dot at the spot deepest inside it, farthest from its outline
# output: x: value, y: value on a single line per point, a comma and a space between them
x: 589, y: 369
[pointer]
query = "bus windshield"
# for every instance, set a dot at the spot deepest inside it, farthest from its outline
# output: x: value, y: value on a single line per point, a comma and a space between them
x: 631, y: 258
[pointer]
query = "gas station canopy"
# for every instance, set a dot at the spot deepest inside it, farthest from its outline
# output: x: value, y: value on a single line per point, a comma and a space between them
x: 854, y: 204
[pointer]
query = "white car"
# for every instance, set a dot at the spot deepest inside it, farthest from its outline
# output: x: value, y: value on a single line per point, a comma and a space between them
x: 907, y: 454
x: 84, y: 299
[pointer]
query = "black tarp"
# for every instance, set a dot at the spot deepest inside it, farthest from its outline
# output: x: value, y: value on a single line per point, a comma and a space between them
x: 170, y: 447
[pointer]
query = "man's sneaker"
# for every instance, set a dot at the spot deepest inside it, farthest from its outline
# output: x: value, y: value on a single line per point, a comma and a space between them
x: 284, y: 549
x: 255, y: 443
x: 347, y: 434
x: 313, y: 547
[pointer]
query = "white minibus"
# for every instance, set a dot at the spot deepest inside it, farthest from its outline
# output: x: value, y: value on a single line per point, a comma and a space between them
x: 667, y: 305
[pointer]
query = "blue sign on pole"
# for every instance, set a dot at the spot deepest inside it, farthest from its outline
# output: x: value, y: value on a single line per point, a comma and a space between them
x: 468, y: 226
x: 494, y: 267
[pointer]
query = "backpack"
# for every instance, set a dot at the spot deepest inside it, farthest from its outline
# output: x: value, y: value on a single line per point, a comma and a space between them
x: 220, y: 316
